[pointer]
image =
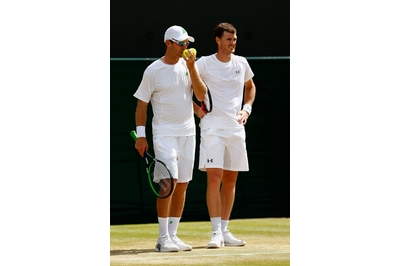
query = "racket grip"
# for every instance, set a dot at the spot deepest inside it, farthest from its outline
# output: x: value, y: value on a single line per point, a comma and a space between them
x: 133, y: 134
x: 202, y: 107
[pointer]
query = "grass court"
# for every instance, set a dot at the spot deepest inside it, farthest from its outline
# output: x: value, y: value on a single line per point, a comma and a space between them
x: 267, y: 243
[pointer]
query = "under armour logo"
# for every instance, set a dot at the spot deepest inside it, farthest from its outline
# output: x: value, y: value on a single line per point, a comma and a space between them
x: 237, y: 71
x: 209, y: 160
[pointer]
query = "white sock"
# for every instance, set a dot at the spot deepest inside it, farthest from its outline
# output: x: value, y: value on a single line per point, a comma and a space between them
x: 216, y: 223
x: 162, y: 226
x: 224, y: 225
x: 173, y: 224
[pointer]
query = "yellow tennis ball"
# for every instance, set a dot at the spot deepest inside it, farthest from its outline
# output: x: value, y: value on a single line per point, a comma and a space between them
x: 187, y: 54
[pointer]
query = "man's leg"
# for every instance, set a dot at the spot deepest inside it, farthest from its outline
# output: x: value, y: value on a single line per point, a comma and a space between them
x: 178, y: 200
x: 163, y: 204
x: 227, y: 198
x: 213, y: 197
x: 228, y: 193
x: 175, y: 214
x: 164, y: 242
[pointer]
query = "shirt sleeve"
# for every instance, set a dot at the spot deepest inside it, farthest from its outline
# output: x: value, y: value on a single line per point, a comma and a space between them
x: 146, y: 87
x: 248, y: 73
x: 200, y: 66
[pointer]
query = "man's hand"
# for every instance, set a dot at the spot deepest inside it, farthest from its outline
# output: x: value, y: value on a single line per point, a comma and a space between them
x: 190, y: 60
x: 141, y: 145
x: 242, y: 117
x: 200, y: 113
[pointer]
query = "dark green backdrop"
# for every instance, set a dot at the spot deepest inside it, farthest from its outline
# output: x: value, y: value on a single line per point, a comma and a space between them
x: 137, y: 27
x: 264, y: 191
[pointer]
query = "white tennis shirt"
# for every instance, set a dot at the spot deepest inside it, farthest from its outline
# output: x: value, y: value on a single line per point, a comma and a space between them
x: 168, y: 87
x: 225, y: 81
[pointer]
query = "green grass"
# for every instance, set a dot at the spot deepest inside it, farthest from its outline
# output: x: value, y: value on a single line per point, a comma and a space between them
x: 268, y: 243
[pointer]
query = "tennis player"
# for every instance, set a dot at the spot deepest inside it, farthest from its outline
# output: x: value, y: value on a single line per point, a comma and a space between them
x: 169, y: 83
x: 222, y: 146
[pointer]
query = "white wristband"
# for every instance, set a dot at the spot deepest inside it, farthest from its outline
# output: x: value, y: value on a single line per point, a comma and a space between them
x: 247, y: 108
x: 140, y: 131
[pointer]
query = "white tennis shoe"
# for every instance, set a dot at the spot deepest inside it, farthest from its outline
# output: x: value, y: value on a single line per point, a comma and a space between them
x: 165, y: 244
x: 182, y: 246
x: 217, y: 240
x: 230, y: 240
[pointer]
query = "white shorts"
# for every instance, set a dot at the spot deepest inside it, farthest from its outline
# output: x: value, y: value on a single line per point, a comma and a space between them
x: 222, y: 148
x: 178, y: 154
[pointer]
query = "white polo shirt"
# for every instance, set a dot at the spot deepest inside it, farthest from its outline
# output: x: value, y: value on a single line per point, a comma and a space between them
x: 225, y: 81
x: 168, y: 87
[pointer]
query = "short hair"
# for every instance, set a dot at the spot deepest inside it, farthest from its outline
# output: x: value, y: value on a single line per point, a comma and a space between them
x: 222, y: 27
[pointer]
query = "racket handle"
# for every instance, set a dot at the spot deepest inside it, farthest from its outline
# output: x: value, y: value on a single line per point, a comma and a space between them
x: 133, y: 134
x: 202, y: 107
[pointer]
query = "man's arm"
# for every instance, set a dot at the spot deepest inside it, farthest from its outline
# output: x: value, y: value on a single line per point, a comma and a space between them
x: 249, y: 96
x: 199, y: 88
x: 249, y: 92
x: 141, y: 116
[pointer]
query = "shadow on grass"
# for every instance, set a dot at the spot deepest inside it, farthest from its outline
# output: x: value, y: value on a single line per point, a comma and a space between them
x: 140, y: 251
x: 130, y: 252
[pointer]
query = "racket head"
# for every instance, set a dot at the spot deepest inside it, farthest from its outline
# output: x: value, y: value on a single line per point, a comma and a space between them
x: 160, y: 178
x: 206, y: 105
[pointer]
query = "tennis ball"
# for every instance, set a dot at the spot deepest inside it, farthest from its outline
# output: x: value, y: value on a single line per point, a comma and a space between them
x: 187, y: 54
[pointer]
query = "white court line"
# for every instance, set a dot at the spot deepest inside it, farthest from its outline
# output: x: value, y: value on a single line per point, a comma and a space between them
x: 198, y: 255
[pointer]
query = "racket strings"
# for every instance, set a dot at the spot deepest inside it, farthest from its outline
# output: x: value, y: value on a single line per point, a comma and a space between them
x: 160, y: 172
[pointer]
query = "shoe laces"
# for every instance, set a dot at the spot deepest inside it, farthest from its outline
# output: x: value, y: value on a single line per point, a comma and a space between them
x: 175, y: 238
x: 164, y: 239
x: 228, y: 233
x: 214, y: 234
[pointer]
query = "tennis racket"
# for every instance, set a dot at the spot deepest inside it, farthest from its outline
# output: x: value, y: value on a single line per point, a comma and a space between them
x: 206, y: 105
x: 157, y: 169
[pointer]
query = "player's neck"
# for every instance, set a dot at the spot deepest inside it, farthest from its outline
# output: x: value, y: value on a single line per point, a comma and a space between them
x: 166, y: 59
x: 223, y: 57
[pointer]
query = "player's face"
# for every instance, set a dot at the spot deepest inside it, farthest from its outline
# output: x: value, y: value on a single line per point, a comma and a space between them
x: 179, y: 47
x: 227, y: 43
